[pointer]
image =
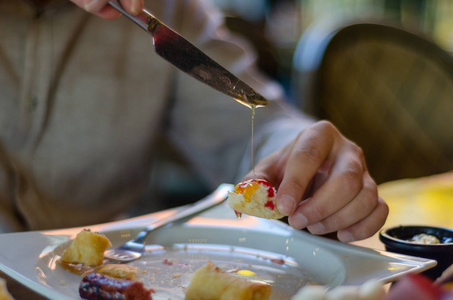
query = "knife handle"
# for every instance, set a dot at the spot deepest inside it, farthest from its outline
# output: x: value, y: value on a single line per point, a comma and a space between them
x: 143, y: 19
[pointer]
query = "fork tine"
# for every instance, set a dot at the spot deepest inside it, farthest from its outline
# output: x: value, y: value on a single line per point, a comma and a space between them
x: 122, y: 255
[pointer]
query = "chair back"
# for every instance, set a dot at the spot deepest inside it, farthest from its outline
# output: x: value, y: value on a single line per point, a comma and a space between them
x: 388, y: 90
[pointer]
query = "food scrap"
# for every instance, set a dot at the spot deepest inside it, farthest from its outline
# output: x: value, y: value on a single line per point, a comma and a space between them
x: 211, y: 282
x: 87, y: 248
x: 118, y: 271
x: 100, y: 286
x: 108, y: 281
x: 170, y: 262
x: 279, y: 261
x: 255, y: 197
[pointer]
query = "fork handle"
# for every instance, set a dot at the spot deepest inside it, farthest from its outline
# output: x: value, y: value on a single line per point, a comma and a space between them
x: 209, y: 201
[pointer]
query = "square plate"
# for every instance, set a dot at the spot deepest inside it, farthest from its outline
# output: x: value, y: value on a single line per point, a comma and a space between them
x: 260, y: 249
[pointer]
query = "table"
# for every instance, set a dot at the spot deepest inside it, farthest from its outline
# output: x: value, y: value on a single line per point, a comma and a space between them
x: 421, y: 201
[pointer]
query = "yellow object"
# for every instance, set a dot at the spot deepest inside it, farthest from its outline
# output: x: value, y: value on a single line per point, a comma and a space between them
x: 87, y: 248
x: 246, y: 273
x: 4, y: 294
x: 118, y: 271
x: 247, y: 190
x: 211, y: 283
x: 421, y: 201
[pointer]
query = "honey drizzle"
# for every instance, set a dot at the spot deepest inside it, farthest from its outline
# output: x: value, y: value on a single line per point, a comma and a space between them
x: 252, y: 108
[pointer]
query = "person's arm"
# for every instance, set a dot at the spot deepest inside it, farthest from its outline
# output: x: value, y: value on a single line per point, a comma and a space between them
x: 103, y: 10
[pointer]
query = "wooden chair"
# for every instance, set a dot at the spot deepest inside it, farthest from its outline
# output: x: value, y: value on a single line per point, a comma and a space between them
x: 388, y: 90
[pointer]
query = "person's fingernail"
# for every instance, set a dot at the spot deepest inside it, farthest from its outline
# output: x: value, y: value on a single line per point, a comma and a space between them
x: 345, y: 236
x: 90, y: 4
x: 135, y: 7
x: 317, y: 228
x: 286, y: 204
x: 298, y: 221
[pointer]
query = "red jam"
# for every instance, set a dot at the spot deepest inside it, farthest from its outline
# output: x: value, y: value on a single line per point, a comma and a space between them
x: 279, y: 261
x: 100, y: 286
x: 270, y: 204
x: 249, y: 187
x: 270, y: 189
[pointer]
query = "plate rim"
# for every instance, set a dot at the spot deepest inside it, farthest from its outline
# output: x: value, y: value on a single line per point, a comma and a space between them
x: 58, y: 236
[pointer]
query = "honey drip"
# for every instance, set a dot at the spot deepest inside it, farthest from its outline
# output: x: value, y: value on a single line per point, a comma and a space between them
x: 252, y: 108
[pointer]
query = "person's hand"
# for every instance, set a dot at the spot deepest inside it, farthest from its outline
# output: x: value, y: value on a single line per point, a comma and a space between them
x: 102, y: 9
x: 323, y: 184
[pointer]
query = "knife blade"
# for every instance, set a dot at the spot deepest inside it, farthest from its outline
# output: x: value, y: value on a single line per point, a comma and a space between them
x: 186, y: 57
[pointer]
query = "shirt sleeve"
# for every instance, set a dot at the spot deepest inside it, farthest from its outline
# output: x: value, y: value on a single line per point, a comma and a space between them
x: 212, y: 130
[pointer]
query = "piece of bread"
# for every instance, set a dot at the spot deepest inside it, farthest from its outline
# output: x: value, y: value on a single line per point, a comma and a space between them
x: 118, y: 271
x: 4, y: 294
x: 255, y: 197
x: 87, y: 248
x: 212, y: 283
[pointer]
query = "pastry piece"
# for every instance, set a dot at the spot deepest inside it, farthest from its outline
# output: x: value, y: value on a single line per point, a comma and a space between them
x: 254, y: 197
x: 4, y: 294
x: 118, y: 271
x: 212, y: 283
x: 102, y: 287
x: 87, y: 248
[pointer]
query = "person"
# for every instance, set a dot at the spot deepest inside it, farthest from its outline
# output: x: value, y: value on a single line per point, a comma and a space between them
x: 84, y: 98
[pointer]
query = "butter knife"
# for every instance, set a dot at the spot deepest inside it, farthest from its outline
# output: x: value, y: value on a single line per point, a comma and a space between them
x: 191, y: 60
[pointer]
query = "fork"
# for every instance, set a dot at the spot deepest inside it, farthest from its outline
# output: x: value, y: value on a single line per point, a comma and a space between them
x: 135, y: 248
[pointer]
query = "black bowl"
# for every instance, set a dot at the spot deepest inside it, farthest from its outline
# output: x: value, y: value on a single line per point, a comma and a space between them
x: 397, y: 239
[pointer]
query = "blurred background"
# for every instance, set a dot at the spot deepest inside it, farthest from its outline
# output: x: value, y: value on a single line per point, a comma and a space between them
x: 275, y: 26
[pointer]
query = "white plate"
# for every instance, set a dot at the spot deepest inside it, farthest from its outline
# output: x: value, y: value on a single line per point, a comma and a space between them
x: 264, y: 250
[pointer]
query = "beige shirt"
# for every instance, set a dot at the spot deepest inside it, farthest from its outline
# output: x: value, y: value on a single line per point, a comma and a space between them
x: 83, y: 99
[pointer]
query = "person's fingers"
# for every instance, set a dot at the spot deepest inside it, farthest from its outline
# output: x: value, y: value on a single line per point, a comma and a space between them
x: 99, y: 8
x: 133, y: 6
x: 94, y: 6
x: 356, y: 210
x: 108, y: 13
x: 306, y: 157
x: 323, y: 184
x: 342, y: 186
x: 102, y: 9
x: 367, y: 226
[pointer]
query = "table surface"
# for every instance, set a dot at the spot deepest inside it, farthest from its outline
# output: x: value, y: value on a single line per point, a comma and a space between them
x: 421, y: 201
